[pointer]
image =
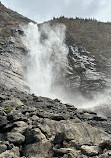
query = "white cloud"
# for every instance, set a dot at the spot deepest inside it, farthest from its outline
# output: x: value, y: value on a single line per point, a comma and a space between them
x: 40, y: 10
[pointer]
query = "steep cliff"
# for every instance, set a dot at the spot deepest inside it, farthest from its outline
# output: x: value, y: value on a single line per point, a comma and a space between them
x: 12, y: 51
x: 89, y: 53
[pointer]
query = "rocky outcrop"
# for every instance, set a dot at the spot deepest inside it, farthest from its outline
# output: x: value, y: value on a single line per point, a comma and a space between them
x: 12, y: 51
x: 38, y: 127
x: 89, y: 54
x: 13, y: 62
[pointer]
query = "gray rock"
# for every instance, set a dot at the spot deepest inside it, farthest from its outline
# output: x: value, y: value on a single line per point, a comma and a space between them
x: 13, y: 153
x: 58, y: 117
x: 17, y: 115
x: 105, y: 143
x: 8, y: 154
x: 3, y: 121
x: 2, y: 97
x: 39, y: 149
x: 104, y: 156
x: 108, y: 152
x: 34, y: 135
x: 21, y: 126
x: 2, y: 137
x: 39, y: 136
x: 3, y: 148
x: 65, y: 152
x: 15, y: 138
x: 90, y: 150
x: 60, y: 137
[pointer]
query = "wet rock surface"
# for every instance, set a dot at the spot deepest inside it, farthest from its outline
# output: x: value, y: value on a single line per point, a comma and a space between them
x: 36, y: 127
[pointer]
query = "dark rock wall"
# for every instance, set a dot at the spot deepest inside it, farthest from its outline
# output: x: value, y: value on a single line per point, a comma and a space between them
x: 89, y: 55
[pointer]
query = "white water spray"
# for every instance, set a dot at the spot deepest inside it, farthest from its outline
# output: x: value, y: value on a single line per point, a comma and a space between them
x: 47, y: 58
x: 47, y: 66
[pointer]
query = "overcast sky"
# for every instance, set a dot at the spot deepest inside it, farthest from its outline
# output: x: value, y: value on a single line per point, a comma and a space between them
x: 42, y: 10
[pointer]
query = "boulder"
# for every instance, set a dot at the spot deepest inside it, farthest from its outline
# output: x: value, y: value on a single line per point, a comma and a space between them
x: 39, y: 136
x: 13, y: 153
x: 105, y: 143
x: 65, y: 135
x: 34, y: 135
x: 21, y: 126
x: 2, y: 137
x: 65, y: 152
x: 108, y: 152
x: 3, y: 148
x: 38, y: 150
x: 90, y: 150
x: 15, y: 138
x: 8, y: 154
x: 3, y: 121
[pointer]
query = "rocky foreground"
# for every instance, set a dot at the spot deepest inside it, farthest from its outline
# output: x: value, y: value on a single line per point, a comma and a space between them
x: 38, y: 127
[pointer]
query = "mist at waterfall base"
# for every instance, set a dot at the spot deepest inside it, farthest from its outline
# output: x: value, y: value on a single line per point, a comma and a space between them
x: 47, y: 66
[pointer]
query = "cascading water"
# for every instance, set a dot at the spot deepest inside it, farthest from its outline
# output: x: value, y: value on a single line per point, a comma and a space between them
x: 47, y: 68
x: 47, y: 58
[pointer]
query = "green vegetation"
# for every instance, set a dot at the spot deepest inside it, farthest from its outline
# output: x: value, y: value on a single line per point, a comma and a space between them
x: 8, y: 108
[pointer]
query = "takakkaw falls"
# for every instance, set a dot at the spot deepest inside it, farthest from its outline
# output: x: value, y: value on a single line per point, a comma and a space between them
x: 55, y: 87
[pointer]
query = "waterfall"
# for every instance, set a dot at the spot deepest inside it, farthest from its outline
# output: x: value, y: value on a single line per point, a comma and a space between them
x: 48, y: 65
x: 47, y: 59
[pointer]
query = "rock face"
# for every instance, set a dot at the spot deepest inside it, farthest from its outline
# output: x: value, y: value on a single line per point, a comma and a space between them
x: 39, y: 127
x: 12, y: 52
x: 89, y: 54
x: 89, y: 58
x: 46, y: 128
